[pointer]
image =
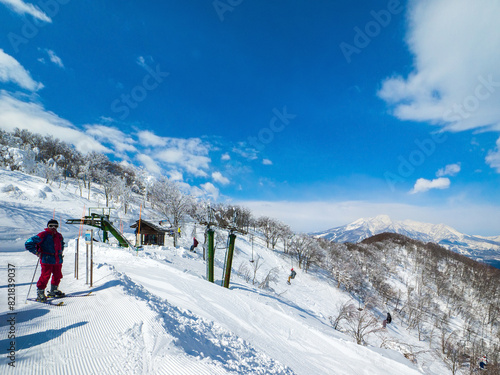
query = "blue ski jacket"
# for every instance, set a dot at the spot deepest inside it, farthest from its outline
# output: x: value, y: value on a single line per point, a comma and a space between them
x: 49, y: 243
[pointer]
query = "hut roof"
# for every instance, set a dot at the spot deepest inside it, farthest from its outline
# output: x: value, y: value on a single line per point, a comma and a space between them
x: 149, y: 224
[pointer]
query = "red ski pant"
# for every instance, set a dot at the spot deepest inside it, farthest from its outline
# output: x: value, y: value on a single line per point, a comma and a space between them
x: 47, y: 270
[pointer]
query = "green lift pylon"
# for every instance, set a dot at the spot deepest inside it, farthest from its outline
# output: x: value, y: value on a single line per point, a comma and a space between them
x: 229, y: 260
x: 212, y: 220
x: 210, y: 255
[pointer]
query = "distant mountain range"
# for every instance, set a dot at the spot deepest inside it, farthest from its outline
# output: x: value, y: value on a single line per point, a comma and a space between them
x: 484, y: 249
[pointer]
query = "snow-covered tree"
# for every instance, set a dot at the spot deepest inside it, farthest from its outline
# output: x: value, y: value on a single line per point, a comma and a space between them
x: 93, y: 164
x: 48, y: 170
x: 123, y: 193
x: 360, y: 323
x: 169, y: 199
x: 305, y: 249
x: 272, y: 230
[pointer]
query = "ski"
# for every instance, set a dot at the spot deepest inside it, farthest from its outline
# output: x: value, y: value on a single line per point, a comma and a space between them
x: 71, y: 295
x: 52, y: 300
x: 75, y: 295
x: 48, y: 302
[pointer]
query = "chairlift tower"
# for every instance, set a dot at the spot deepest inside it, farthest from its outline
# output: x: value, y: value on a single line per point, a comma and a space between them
x: 211, y: 221
x: 210, y: 244
x: 229, y: 259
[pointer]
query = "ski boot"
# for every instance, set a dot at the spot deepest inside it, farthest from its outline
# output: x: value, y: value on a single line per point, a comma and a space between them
x: 54, y: 292
x: 40, y: 295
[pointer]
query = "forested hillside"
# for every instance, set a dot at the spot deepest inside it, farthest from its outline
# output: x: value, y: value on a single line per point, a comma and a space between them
x: 450, y: 302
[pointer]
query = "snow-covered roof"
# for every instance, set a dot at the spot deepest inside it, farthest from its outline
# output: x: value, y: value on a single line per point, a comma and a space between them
x: 151, y: 225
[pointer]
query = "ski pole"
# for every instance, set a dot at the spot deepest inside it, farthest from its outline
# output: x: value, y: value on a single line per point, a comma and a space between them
x: 32, y: 281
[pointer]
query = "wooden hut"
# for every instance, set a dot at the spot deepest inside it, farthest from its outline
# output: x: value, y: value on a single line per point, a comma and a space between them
x: 150, y: 234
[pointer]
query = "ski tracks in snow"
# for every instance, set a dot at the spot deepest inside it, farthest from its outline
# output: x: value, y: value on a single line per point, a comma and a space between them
x: 107, y: 333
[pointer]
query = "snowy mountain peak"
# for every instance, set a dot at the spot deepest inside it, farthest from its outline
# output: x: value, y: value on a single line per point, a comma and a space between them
x: 372, y: 224
x: 480, y: 248
x: 382, y: 219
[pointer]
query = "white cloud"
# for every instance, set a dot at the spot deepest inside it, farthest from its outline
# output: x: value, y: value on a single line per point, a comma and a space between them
x: 149, y: 139
x: 225, y: 157
x: 188, y: 154
x: 121, y: 142
x: 175, y: 175
x: 54, y: 58
x: 422, y: 185
x: 267, y: 162
x: 449, y: 170
x: 193, y: 164
x: 211, y: 190
x: 493, y: 158
x: 148, y: 163
x: 218, y: 177
x: 12, y: 71
x: 15, y: 113
x: 246, y: 152
x: 20, y: 7
x: 180, y: 155
x: 455, y: 82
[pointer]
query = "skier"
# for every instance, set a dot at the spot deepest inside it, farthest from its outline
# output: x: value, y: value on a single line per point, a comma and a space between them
x: 48, y: 246
x: 292, y: 276
x: 389, y: 318
x: 195, y: 244
x: 483, y: 363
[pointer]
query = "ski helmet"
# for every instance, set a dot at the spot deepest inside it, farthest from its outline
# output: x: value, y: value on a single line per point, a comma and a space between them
x: 52, y: 222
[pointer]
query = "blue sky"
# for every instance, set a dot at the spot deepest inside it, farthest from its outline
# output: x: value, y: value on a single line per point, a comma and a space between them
x: 316, y: 113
